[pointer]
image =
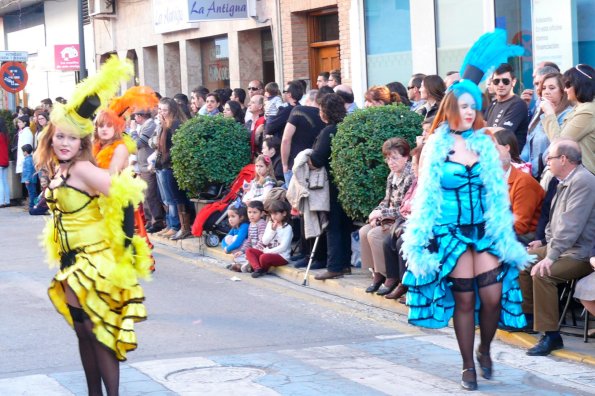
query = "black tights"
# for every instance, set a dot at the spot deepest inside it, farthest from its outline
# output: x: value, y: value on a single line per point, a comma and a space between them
x: 99, y: 362
x: 490, y: 293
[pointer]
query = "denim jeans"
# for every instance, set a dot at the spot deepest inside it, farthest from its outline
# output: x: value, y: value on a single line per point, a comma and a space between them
x: 4, y: 189
x: 32, y: 192
x: 168, y: 188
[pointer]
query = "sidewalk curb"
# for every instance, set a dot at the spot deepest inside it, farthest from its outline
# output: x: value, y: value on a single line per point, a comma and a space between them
x: 337, y: 288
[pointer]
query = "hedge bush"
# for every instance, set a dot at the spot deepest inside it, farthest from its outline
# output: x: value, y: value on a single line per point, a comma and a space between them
x: 357, y: 163
x: 209, y: 150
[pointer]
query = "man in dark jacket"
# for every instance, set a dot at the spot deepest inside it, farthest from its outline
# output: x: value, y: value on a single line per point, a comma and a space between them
x: 153, y: 205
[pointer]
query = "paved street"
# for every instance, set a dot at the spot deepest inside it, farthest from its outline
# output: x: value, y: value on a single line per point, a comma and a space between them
x: 209, y: 334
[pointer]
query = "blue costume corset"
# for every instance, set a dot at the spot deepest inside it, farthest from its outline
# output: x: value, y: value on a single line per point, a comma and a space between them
x: 459, y: 226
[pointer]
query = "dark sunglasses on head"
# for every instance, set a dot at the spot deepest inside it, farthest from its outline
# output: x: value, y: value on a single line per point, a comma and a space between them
x: 505, y: 81
x: 252, y: 89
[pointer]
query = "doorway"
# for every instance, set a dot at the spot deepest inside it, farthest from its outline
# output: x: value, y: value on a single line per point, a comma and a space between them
x: 323, y: 36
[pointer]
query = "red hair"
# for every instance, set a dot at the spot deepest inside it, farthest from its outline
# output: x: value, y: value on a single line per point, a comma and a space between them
x: 449, y: 112
x: 109, y: 118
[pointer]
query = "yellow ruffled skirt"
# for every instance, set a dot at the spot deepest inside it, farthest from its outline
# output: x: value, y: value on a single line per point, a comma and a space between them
x: 112, y: 309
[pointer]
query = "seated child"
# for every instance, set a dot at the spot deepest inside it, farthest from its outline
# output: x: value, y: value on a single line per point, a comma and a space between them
x: 276, y: 240
x: 255, y: 233
x: 238, y: 220
x: 263, y: 182
x: 41, y: 207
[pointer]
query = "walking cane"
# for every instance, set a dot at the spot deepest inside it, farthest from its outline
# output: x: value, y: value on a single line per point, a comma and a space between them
x: 305, y: 282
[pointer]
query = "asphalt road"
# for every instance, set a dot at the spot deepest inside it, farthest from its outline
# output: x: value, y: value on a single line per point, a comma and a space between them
x: 210, y: 334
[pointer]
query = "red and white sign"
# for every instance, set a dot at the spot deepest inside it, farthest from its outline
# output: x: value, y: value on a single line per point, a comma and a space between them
x: 67, y: 57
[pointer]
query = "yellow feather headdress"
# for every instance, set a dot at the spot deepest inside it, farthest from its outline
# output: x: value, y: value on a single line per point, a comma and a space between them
x: 90, y: 94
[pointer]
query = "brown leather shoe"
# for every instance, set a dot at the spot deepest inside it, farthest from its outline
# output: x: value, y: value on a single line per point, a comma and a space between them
x: 397, y: 293
x: 169, y: 233
x: 328, y: 275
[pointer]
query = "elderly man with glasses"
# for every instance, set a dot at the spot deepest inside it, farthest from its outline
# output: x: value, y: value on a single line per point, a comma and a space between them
x: 564, y: 255
x: 508, y: 110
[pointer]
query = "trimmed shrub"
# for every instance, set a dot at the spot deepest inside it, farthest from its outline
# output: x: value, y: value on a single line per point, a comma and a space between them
x: 209, y: 150
x: 357, y: 163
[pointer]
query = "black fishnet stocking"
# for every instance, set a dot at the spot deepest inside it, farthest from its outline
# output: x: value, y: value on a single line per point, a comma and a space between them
x: 464, y: 323
x: 489, y: 315
x: 99, y: 362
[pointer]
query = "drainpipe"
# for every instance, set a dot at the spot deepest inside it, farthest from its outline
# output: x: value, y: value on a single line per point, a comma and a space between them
x: 278, y: 50
x: 83, y: 64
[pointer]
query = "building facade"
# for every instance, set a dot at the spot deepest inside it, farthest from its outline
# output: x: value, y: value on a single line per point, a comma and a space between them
x: 371, y: 41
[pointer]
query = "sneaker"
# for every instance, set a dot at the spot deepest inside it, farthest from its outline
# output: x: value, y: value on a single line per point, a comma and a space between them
x: 258, y: 273
x: 247, y: 268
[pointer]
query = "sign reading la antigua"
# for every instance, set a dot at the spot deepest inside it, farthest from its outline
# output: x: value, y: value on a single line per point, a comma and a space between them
x: 13, y: 76
x: 210, y: 10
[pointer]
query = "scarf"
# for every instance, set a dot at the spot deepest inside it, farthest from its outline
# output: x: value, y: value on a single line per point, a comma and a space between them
x: 428, y: 200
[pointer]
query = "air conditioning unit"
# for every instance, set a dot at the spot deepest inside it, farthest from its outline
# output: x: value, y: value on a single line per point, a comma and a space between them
x: 102, y: 8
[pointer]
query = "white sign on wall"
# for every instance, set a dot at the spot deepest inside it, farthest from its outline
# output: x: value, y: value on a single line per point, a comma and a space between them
x: 553, y: 32
x: 171, y: 16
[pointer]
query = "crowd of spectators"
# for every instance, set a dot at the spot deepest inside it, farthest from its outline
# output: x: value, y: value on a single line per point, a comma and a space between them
x: 545, y: 137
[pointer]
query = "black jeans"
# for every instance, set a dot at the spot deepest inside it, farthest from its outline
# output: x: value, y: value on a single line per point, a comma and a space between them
x: 396, y: 265
x: 338, y: 234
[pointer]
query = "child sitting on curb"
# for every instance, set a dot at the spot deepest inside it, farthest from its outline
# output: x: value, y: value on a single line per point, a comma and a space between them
x: 238, y: 220
x: 276, y: 239
x: 255, y: 232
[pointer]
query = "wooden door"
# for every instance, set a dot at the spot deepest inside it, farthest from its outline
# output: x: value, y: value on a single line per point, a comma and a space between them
x: 324, y: 58
x: 328, y: 59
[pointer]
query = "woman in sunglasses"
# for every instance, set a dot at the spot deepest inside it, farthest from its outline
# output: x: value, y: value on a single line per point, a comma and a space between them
x: 580, y: 122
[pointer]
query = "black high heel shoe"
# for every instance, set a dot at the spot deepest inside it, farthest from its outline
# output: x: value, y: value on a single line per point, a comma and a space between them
x: 486, y: 372
x: 469, y: 385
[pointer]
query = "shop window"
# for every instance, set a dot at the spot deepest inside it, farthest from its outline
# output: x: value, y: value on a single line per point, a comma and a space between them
x: 268, y: 55
x: 388, y: 41
x: 514, y: 16
x: 456, y: 31
x: 585, y: 39
x: 215, y: 62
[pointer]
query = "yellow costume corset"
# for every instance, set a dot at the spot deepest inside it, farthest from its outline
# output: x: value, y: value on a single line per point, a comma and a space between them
x: 78, y: 223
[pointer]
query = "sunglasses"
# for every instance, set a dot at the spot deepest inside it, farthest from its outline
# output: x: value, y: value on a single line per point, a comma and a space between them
x: 505, y: 81
x: 253, y: 89
x: 567, y: 84
x: 411, y: 87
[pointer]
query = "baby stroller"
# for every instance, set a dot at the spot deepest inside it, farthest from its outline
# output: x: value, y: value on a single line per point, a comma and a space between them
x: 210, y: 221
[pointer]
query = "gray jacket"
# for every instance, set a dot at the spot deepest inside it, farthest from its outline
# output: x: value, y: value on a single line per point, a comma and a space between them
x: 145, y: 134
x: 571, y: 229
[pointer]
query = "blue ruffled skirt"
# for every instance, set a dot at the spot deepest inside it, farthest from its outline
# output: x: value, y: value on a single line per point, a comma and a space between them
x: 430, y: 300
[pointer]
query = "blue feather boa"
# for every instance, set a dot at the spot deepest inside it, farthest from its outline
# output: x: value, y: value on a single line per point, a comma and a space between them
x: 428, y: 200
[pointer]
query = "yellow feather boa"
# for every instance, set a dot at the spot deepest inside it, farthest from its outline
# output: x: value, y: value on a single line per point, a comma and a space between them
x: 133, y: 261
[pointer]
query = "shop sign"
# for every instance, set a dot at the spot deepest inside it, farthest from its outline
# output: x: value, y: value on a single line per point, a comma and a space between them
x: 171, y: 16
x: 552, y: 32
x: 67, y: 57
x: 13, y: 56
x: 13, y: 76
x: 211, y: 10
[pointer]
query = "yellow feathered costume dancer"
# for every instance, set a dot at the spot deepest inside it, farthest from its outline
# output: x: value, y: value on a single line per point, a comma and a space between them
x: 85, y: 237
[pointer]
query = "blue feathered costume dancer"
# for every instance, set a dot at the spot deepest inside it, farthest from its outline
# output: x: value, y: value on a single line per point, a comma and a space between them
x: 458, y: 208
x: 462, y: 208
